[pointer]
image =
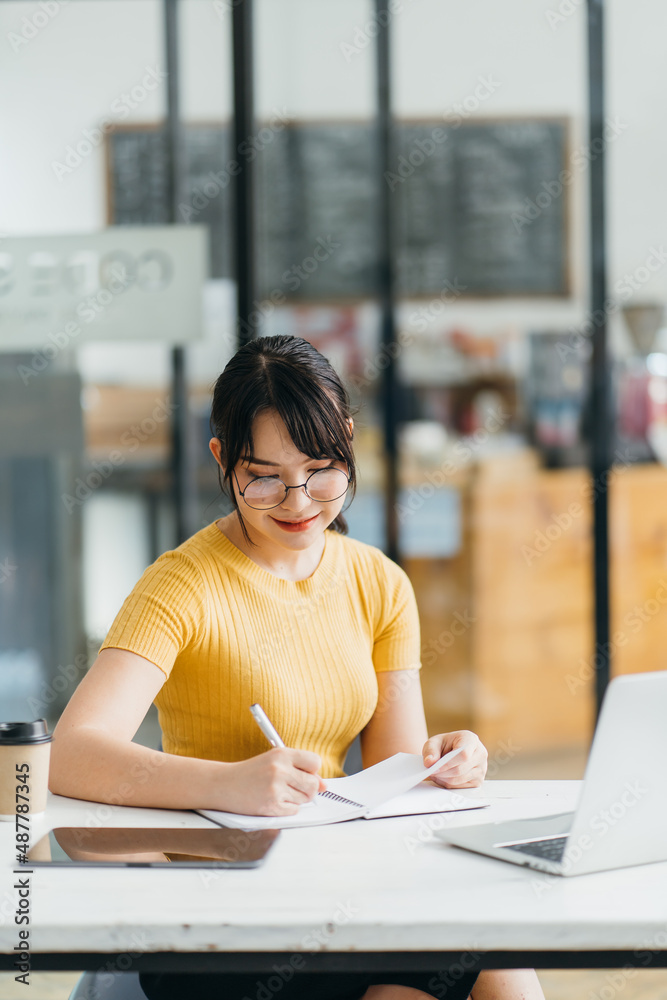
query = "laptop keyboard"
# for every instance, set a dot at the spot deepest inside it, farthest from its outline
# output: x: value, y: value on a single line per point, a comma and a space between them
x: 552, y: 849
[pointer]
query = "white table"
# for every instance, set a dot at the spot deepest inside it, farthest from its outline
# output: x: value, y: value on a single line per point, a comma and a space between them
x: 382, y: 895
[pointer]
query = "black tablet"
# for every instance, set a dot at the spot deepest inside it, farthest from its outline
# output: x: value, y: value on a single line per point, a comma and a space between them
x: 144, y: 847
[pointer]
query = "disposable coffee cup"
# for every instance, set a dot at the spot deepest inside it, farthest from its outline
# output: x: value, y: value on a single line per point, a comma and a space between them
x: 25, y: 751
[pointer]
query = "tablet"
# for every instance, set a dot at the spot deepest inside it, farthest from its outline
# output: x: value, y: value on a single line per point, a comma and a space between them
x: 141, y: 847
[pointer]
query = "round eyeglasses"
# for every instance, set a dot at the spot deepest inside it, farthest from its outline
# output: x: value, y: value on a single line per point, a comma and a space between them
x: 323, y: 486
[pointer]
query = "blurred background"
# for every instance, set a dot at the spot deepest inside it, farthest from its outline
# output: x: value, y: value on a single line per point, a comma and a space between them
x: 118, y: 308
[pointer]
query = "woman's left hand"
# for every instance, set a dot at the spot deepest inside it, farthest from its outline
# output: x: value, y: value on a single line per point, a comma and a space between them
x: 467, y: 769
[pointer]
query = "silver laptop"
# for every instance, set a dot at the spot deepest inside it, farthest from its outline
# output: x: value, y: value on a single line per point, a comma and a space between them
x: 621, y: 816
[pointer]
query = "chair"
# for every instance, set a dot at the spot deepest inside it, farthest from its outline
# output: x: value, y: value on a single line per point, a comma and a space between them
x: 352, y: 762
x: 108, y: 986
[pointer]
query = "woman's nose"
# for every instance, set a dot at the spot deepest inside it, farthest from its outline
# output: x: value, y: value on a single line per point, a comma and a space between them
x: 296, y: 499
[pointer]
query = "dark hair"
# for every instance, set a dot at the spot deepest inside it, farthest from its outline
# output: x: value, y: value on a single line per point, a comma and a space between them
x: 288, y: 375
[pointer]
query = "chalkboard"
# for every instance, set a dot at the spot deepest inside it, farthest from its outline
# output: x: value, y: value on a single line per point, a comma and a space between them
x: 317, y: 213
x: 136, y: 177
x: 478, y: 207
x: 137, y: 183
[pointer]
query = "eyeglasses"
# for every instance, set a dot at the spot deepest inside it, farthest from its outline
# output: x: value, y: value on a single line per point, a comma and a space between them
x: 323, y: 486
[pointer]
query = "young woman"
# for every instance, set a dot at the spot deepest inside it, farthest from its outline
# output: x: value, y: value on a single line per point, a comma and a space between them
x: 270, y: 604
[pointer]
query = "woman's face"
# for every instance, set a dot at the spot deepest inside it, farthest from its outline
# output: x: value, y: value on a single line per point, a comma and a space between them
x: 298, y: 522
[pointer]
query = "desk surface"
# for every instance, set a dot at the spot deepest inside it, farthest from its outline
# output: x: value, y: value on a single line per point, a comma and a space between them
x: 362, y: 886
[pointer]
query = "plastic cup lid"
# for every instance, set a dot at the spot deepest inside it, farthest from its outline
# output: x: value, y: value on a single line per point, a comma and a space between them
x: 16, y: 733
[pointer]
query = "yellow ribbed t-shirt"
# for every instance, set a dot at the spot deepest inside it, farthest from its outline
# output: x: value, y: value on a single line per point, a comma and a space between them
x: 228, y: 633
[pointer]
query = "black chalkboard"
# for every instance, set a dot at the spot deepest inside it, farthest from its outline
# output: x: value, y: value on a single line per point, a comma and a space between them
x: 477, y: 204
x: 137, y: 182
x: 316, y: 213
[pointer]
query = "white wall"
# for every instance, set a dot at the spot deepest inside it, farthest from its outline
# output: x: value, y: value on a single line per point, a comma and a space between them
x: 67, y: 77
x: 638, y: 96
x: 63, y: 80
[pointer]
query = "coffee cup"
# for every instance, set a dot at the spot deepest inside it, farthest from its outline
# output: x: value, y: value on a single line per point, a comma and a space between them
x: 25, y: 750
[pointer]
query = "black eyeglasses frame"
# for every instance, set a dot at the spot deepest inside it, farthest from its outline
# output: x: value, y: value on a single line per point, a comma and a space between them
x: 288, y: 488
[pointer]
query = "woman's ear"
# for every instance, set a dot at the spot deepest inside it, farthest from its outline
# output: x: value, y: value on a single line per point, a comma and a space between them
x: 216, y: 450
x: 350, y: 424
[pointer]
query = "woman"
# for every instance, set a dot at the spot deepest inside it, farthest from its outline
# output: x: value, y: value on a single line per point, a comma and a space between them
x: 271, y: 604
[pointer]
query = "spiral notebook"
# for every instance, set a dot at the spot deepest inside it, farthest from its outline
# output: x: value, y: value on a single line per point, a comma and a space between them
x: 391, y: 788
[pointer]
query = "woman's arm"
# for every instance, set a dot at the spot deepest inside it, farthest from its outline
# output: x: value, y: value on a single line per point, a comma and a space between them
x: 93, y: 756
x: 398, y: 725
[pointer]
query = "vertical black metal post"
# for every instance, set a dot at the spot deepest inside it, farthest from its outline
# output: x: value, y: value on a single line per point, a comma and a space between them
x: 601, y: 414
x: 242, y: 38
x: 386, y: 289
x: 183, y: 452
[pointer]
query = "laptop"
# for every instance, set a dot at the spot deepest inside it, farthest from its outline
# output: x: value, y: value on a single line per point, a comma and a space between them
x: 621, y: 817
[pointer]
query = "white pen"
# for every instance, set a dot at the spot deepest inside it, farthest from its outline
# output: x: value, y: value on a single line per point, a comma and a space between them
x: 269, y: 730
x: 265, y: 724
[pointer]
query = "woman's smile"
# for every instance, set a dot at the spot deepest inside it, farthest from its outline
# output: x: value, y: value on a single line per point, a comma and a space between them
x: 301, y: 525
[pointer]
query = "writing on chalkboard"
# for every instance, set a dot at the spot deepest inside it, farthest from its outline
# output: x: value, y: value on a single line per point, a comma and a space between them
x: 477, y: 203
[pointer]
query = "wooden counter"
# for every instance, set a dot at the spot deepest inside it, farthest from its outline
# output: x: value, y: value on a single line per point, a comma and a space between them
x: 507, y: 634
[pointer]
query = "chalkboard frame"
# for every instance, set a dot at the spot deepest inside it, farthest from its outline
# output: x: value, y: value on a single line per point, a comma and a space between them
x: 564, y: 122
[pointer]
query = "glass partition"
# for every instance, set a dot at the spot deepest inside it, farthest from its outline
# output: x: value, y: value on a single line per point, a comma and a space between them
x: 495, y: 517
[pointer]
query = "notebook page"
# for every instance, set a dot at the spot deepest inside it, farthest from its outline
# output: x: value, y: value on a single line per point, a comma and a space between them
x: 309, y: 814
x: 428, y: 798
x: 386, y: 780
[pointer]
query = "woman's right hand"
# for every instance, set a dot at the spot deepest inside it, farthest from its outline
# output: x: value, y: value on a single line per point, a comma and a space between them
x: 93, y: 755
x: 274, y: 783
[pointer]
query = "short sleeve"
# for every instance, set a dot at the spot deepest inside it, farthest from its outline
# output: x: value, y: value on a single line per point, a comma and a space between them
x: 166, y: 611
x: 397, y: 643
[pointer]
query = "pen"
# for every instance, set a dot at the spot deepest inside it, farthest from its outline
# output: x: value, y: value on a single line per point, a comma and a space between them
x: 269, y: 730
x: 265, y: 724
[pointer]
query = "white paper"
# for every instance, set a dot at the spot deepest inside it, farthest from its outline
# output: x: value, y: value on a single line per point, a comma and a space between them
x: 386, y: 780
